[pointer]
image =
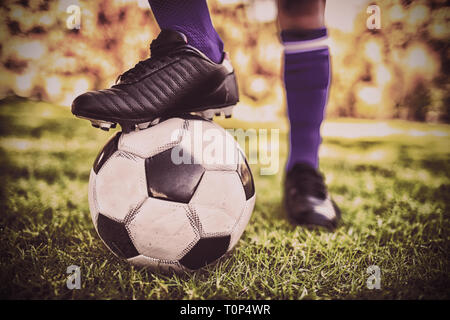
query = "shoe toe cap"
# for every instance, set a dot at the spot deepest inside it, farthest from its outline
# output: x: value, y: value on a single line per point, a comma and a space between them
x: 315, y: 212
x: 84, y: 104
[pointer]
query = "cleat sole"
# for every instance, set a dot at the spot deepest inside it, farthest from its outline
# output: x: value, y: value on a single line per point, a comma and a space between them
x: 100, y: 124
x: 209, y: 114
x: 128, y: 127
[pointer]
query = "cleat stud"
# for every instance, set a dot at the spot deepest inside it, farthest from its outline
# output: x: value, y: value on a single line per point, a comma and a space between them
x: 228, y: 112
x: 142, y: 126
x: 155, y: 121
x: 105, y: 126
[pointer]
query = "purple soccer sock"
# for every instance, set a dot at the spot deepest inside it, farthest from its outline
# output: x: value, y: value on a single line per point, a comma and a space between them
x: 191, y: 18
x: 306, y: 79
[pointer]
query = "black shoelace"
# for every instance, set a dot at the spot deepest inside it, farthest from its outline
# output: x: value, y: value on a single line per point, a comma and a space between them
x: 160, y: 50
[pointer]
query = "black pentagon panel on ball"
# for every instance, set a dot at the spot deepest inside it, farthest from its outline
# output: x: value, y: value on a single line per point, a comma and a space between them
x: 169, y: 181
x: 116, y: 237
x: 110, y: 147
x: 205, y: 251
x: 246, y: 176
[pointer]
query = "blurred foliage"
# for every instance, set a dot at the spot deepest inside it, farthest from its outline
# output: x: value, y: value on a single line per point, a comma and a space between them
x: 399, y: 71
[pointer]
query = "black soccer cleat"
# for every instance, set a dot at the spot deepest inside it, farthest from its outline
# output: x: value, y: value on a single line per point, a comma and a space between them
x: 306, y: 198
x: 176, y: 79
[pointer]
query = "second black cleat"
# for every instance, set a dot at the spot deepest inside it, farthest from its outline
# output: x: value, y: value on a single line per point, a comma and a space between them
x: 177, y: 78
x: 306, y: 198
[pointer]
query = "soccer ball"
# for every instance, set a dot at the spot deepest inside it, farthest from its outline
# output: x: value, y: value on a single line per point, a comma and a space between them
x: 176, y: 196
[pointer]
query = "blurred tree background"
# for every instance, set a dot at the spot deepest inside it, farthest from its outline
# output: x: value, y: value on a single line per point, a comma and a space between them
x: 398, y: 71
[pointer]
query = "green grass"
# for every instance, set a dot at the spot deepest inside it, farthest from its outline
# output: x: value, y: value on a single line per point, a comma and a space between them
x: 396, y: 216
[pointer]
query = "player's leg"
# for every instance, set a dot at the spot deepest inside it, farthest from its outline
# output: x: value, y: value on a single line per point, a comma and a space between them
x: 191, y: 18
x: 307, y: 79
x: 187, y: 72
